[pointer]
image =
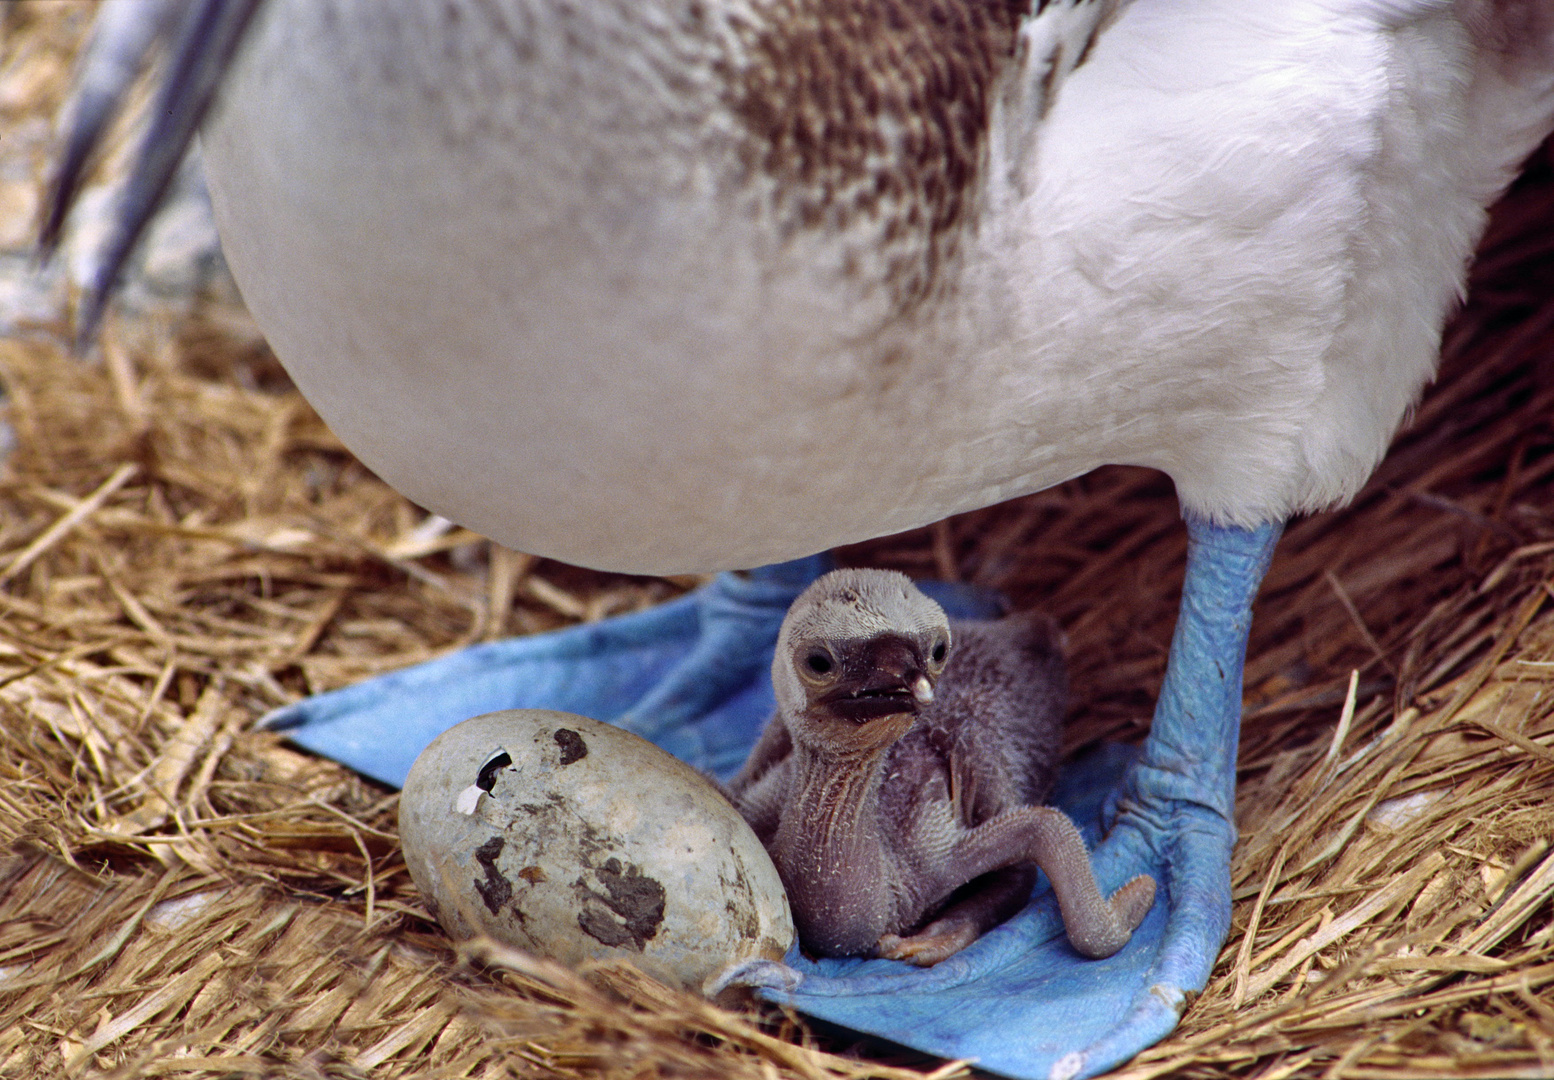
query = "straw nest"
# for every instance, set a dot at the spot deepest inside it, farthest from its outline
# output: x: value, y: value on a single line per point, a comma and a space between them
x: 183, y: 545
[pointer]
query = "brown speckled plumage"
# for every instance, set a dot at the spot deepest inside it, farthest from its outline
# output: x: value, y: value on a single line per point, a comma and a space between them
x: 872, y: 116
x: 896, y: 772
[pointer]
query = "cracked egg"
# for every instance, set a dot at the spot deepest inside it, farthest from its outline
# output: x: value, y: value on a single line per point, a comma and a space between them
x: 577, y: 840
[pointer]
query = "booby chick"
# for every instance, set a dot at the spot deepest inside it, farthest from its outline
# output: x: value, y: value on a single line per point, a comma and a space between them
x: 895, y: 773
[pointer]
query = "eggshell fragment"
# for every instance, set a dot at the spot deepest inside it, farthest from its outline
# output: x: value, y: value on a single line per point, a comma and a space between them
x: 577, y: 840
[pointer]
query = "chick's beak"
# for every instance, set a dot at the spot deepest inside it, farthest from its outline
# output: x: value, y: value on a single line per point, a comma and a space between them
x: 884, y: 677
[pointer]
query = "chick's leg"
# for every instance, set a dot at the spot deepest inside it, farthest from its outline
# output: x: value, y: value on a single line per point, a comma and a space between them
x: 988, y: 901
x: 1096, y: 926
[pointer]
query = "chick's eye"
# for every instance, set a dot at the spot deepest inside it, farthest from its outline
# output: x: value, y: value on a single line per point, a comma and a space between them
x: 819, y: 663
x: 940, y: 651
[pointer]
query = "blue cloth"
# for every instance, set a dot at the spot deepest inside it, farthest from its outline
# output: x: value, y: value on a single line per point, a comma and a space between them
x: 693, y: 676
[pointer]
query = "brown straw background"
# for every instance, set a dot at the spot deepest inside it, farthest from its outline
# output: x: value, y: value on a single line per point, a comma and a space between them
x: 184, y: 545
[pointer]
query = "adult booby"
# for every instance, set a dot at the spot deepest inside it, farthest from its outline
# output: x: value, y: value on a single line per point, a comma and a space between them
x: 675, y: 285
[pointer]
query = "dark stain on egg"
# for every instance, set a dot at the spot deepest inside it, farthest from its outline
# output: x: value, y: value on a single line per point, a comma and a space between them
x: 573, y: 748
x: 741, y: 909
x: 629, y: 911
x: 495, y: 890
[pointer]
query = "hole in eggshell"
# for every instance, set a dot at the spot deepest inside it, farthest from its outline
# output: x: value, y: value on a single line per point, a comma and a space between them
x: 485, y: 779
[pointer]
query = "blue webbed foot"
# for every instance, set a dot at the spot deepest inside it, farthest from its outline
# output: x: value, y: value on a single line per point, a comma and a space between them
x: 692, y: 676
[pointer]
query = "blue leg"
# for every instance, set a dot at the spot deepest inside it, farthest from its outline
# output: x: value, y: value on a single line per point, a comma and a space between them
x: 1178, y: 801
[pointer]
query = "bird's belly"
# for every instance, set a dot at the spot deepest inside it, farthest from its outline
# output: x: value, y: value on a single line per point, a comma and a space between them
x: 536, y: 320
x: 672, y: 409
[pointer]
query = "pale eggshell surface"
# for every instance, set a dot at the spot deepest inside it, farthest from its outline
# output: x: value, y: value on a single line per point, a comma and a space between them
x: 577, y: 840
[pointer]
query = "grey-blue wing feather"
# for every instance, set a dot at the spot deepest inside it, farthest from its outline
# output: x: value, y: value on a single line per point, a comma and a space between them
x: 203, y: 36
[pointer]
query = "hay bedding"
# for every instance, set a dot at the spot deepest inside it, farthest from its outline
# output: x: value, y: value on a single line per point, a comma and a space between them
x: 183, y: 545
